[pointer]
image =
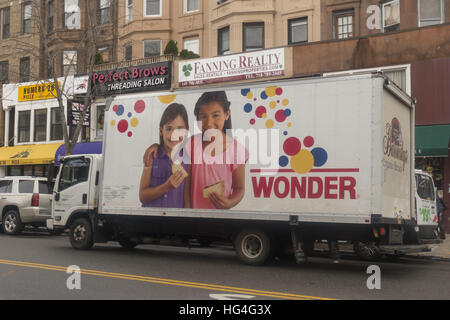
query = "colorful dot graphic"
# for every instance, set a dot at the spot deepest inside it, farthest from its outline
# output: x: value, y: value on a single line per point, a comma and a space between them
x: 302, y: 162
x: 292, y: 146
x: 127, y: 120
x: 248, y: 108
x: 139, y: 106
x: 122, y: 126
x: 260, y: 111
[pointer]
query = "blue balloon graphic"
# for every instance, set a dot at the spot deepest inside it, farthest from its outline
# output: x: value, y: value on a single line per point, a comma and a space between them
x: 244, y: 92
x: 320, y: 156
x: 264, y: 95
x: 283, y: 161
x: 287, y: 112
x: 120, y: 110
x: 248, y: 108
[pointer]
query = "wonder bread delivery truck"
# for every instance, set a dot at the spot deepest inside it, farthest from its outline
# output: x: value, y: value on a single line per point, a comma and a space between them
x: 263, y: 166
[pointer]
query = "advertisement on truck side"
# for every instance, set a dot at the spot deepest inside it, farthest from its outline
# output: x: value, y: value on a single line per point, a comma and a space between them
x: 273, y: 148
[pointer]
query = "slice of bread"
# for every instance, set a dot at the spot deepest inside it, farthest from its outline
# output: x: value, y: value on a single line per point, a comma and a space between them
x: 218, y: 188
x: 176, y: 166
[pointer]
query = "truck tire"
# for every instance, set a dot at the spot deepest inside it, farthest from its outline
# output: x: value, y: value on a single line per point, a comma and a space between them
x: 81, y: 235
x: 366, y: 251
x: 11, y: 222
x: 127, y: 243
x: 254, y: 247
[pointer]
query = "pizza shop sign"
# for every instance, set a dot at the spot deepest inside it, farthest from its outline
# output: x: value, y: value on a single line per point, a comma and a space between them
x: 150, y: 77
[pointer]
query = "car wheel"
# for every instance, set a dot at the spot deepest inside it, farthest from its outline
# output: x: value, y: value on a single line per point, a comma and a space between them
x: 81, y: 235
x: 254, y: 247
x: 11, y: 222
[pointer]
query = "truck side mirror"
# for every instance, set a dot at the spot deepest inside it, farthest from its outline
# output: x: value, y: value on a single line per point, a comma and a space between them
x: 57, y: 196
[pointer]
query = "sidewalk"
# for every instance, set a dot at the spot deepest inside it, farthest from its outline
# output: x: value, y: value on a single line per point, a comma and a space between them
x: 438, y: 251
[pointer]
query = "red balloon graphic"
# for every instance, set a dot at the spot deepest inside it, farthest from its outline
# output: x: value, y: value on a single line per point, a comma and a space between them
x: 122, y: 126
x: 139, y: 106
x: 292, y: 146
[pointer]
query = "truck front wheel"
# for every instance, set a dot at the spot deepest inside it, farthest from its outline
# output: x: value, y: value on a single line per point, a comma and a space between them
x: 254, y: 247
x: 81, y: 236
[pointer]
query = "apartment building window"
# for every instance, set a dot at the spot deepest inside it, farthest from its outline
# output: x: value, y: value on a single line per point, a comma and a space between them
x: 69, y: 62
x: 128, y: 52
x: 40, y: 125
x: 223, y: 39
x: 343, y: 24
x: 26, y: 18
x: 4, y: 69
x: 56, y: 129
x: 104, y: 52
x: 24, y: 126
x: 253, y: 36
x: 51, y: 16
x: 71, y: 15
x: 5, y: 14
x: 192, y: 45
x: 129, y: 11
x: 431, y: 12
x: 24, y: 70
x: 190, y: 6
x: 104, y: 11
x: 152, y: 8
x: 298, y: 30
x: 99, y: 125
x: 391, y: 16
x: 152, y: 48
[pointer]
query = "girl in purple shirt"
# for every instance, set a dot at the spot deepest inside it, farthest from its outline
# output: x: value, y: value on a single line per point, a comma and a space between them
x: 160, y: 188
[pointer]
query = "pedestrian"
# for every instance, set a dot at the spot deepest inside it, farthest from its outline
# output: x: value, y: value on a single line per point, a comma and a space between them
x: 440, y: 207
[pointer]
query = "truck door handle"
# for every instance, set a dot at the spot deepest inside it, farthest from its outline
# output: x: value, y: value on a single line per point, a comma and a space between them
x: 84, y: 198
x: 57, y: 196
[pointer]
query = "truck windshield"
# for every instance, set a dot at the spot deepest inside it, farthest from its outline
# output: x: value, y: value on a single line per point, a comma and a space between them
x: 74, y: 172
x: 425, y: 187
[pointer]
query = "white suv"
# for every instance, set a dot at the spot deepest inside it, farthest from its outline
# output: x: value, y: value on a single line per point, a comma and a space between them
x: 24, y: 201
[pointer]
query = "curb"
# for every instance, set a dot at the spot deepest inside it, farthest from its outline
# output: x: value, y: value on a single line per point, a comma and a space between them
x: 434, y: 258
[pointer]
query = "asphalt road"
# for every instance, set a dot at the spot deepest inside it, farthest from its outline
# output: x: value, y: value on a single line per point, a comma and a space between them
x: 33, y: 266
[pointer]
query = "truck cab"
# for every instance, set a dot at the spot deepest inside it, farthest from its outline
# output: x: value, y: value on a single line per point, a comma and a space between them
x: 76, y: 191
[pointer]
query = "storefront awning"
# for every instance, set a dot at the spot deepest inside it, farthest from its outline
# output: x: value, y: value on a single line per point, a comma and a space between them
x: 432, y: 141
x: 28, y: 154
x: 80, y: 148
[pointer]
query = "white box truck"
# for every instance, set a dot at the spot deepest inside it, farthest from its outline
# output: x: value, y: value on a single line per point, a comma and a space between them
x: 263, y: 166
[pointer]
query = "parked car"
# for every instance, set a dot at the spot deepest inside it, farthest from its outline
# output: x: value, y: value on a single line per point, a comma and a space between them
x: 24, y: 201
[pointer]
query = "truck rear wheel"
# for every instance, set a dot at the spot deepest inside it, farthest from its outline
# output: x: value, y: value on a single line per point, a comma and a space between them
x: 81, y: 235
x: 254, y: 247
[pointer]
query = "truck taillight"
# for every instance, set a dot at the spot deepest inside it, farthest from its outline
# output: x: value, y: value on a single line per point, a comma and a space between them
x: 35, y: 200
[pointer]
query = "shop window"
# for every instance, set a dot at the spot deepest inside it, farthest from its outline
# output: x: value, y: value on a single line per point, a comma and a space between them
x: 152, y: 48
x: 298, y: 30
x: 431, y: 12
x: 40, y: 125
x: 223, y: 38
x: 24, y: 126
x: 56, y: 126
x: 253, y: 36
x: 343, y: 24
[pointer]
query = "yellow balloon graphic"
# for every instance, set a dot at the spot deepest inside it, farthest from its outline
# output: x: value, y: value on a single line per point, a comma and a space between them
x: 285, y: 102
x: 249, y: 95
x: 134, y: 122
x: 302, y: 162
x: 113, y: 123
x: 273, y: 105
x: 270, y: 123
x: 271, y: 91
x: 167, y: 99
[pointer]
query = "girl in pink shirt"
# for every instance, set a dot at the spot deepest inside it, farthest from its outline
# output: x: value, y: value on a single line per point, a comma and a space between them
x: 215, y: 156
